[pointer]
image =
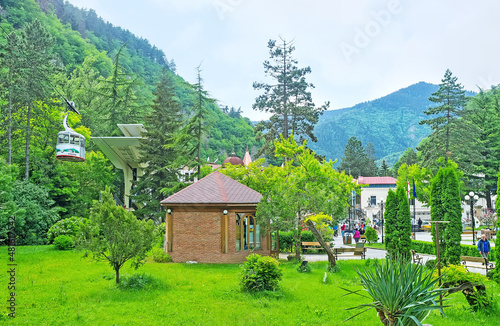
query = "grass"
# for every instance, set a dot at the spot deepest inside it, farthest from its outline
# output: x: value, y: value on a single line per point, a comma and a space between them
x: 62, y: 288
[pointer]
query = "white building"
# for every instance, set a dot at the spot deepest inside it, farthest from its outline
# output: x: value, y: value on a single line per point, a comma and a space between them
x: 374, y: 193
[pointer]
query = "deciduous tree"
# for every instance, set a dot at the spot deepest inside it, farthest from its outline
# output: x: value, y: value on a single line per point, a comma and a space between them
x: 121, y: 236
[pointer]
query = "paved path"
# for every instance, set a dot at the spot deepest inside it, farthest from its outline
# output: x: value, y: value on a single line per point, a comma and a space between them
x: 376, y: 253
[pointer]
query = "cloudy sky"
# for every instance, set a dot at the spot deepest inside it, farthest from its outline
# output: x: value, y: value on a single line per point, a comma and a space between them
x: 357, y: 50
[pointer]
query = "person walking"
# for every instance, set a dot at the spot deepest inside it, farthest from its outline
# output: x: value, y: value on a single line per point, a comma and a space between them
x: 356, y: 235
x: 342, y: 229
x: 483, y: 246
x: 419, y: 224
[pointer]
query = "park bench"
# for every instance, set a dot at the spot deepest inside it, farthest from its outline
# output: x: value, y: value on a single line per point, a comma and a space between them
x: 416, y: 258
x: 482, y: 263
x: 467, y: 233
x: 355, y: 252
x: 312, y: 245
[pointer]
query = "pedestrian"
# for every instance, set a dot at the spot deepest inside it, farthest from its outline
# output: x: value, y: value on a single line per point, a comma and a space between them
x: 356, y: 235
x: 483, y: 246
x: 419, y: 223
x: 342, y: 229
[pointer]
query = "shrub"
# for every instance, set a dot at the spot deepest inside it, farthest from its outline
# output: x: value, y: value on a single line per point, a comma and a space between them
x: 64, y: 242
x: 471, y: 285
x: 260, y: 274
x: 371, y: 235
x: 160, y: 256
x: 402, y: 292
x: 68, y: 226
x: 159, y: 235
x: 494, y: 274
x: 304, y: 267
x: 138, y: 281
x: 431, y: 263
x: 286, y: 241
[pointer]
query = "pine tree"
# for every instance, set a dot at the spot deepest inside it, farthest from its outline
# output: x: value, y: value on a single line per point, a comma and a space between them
x: 191, y: 135
x: 35, y: 64
x: 161, y: 176
x: 448, y: 127
x: 288, y: 99
x: 384, y: 169
x: 358, y: 161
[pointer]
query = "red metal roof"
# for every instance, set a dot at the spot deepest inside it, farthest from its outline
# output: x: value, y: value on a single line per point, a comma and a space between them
x: 215, y: 188
x: 376, y: 180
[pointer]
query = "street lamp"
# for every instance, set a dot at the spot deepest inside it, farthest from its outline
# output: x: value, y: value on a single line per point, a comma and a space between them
x: 381, y: 211
x: 472, y: 199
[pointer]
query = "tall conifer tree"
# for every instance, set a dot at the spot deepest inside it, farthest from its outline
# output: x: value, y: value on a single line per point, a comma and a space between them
x: 191, y: 136
x: 288, y: 99
x: 161, y: 176
x: 448, y: 127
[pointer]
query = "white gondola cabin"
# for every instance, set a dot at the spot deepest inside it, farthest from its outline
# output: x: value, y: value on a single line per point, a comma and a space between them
x: 70, y: 144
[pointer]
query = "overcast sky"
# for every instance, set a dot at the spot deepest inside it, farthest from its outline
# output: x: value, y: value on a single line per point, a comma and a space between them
x: 357, y: 50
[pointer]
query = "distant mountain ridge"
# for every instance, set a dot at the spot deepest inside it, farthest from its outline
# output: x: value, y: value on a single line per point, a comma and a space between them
x: 390, y: 123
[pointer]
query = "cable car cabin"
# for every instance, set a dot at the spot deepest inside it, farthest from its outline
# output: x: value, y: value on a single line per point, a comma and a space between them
x: 70, y: 146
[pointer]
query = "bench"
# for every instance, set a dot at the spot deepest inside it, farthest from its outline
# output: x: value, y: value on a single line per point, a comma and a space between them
x: 416, y: 258
x: 484, y: 262
x: 355, y: 252
x: 312, y: 245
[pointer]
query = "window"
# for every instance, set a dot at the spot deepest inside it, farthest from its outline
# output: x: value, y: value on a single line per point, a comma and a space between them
x: 373, y: 200
x: 247, y: 232
x: 63, y: 139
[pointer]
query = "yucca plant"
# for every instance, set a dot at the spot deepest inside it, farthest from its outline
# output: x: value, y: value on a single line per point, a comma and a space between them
x: 403, y: 293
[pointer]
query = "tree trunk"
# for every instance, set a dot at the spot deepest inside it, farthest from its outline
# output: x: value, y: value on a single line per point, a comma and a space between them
x: 488, y: 199
x: 298, y: 239
x: 329, y: 252
x: 117, y: 272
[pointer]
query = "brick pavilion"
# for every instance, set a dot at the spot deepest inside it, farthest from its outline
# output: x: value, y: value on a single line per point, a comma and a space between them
x: 212, y: 221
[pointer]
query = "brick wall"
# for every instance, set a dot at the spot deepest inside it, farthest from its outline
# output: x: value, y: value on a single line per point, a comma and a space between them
x: 196, y: 235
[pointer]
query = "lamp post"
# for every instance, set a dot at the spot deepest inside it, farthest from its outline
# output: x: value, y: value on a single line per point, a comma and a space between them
x: 472, y: 198
x: 382, y: 218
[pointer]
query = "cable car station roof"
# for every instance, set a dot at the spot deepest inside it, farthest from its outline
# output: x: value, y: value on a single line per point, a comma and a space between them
x: 122, y: 151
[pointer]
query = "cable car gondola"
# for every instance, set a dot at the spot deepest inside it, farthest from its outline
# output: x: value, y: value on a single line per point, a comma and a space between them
x: 70, y: 144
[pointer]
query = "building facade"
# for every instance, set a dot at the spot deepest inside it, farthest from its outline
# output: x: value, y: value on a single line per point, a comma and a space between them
x: 213, y: 221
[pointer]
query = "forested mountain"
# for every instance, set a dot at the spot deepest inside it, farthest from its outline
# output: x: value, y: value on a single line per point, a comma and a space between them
x: 390, y: 124
x: 81, y: 34
x: 112, y: 76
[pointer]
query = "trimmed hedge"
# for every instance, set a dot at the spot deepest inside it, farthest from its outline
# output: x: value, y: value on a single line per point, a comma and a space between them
x: 424, y: 247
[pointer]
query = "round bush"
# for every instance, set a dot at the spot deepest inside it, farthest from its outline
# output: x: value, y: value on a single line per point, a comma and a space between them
x: 68, y: 226
x: 260, y: 274
x: 64, y: 242
x: 160, y: 256
x: 371, y: 235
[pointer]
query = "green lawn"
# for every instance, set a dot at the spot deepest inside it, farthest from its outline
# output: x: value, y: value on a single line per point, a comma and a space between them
x: 62, y: 288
